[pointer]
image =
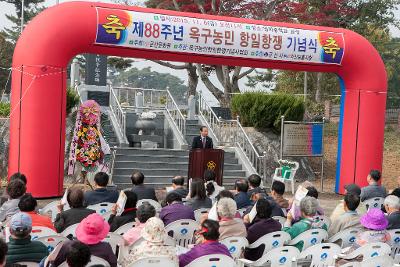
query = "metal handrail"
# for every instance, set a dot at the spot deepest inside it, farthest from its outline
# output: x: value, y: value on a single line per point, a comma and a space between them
x: 118, y: 113
x: 175, y: 114
x: 113, y: 155
x: 231, y: 132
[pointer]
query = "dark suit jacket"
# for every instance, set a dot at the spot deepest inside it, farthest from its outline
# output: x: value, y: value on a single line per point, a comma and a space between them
x: 394, y: 220
x: 117, y: 221
x: 197, y: 143
x: 101, y: 195
x: 144, y: 192
x: 70, y: 217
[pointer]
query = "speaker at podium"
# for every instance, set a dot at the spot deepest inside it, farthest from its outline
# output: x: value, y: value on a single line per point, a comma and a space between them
x: 206, y: 159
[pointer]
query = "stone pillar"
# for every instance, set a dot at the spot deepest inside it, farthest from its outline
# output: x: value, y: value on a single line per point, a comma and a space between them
x: 191, y: 107
x: 74, y: 75
x: 139, y: 102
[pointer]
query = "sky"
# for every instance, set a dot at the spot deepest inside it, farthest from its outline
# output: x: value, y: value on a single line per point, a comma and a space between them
x: 139, y: 63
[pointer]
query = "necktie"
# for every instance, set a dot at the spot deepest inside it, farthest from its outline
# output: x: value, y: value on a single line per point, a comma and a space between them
x: 204, y: 142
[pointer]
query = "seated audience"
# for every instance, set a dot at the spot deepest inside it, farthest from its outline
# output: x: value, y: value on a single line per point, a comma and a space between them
x: 339, y: 209
x: 261, y: 225
x: 227, y: 194
x: 143, y: 213
x: 241, y: 198
x: 28, y: 205
x: 212, y: 187
x: 312, y: 192
x: 228, y: 225
x: 15, y: 176
x: 254, y: 181
x: 3, y: 252
x: 197, y: 196
x: 375, y: 225
x: 101, y: 194
x: 276, y: 209
x: 20, y: 246
x: 78, y: 255
x: 396, y: 192
x: 392, y: 207
x: 127, y: 216
x: 210, y: 234
x: 16, y: 188
x: 277, y: 191
x: 350, y: 218
x: 75, y: 214
x: 308, y: 209
x: 178, y: 183
x: 175, y: 209
x: 373, y: 189
x: 142, y: 191
x: 154, y: 245
x: 90, y: 231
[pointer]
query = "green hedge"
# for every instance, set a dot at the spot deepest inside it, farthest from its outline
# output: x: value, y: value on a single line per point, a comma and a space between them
x: 262, y: 110
x: 4, y: 109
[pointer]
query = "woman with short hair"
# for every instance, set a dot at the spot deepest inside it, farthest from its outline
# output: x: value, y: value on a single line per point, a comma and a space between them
x: 228, y: 225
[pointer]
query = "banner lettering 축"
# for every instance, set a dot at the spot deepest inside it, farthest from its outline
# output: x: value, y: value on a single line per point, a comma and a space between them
x: 220, y: 38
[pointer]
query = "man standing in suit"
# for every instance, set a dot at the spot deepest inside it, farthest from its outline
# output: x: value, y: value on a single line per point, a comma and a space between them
x: 202, y: 141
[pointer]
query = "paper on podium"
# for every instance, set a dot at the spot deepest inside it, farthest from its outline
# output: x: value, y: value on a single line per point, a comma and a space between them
x: 212, y: 214
x: 121, y: 202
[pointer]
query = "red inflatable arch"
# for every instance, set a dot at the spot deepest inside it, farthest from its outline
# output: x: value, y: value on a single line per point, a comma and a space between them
x: 59, y: 33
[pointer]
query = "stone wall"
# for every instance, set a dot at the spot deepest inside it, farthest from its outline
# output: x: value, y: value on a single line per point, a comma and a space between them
x: 270, y: 142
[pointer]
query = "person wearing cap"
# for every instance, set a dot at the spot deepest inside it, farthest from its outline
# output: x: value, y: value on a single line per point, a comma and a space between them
x: 375, y: 225
x: 350, y: 218
x: 373, y: 189
x: 210, y: 245
x: 154, y: 245
x: 20, y: 246
x: 90, y: 231
x: 339, y: 209
x: 392, y: 207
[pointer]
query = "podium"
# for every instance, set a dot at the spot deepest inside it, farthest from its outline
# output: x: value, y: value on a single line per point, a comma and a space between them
x: 206, y: 159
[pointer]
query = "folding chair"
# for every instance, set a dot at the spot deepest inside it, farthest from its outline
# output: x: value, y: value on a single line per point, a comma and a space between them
x: 182, y: 231
x: 235, y: 245
x: 310, y: 238
x: 322, y: 255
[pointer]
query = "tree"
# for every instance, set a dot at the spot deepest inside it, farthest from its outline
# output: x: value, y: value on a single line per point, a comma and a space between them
x: 6, y: 51
x: 146, y: 78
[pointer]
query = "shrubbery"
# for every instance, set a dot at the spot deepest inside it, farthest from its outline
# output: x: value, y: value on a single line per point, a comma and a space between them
x: 262, y: 110
x: 4, y: 109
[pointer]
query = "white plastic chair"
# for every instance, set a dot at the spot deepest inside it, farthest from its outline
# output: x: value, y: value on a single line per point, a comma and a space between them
x: 124, y: 228
x: 199, y: 212
x: 278, y: 176
x: 368, y: 251
x: 271, y: 241
x: 383, y: 261
x: 280, y: 219
x: 321, y: 254
x: 324, y: 219
x: 345, y: 238
x: 93, y: 261
x: 214, y: 260
x: 394, y: 242
x: 28, y: 263
x: 375, y: 202
x: 102, y: 208
x: 153, y: 262
x: 116, y: 241
x: 52, y: 210
x: 70, y: 230
x: 52, y: 241
x: 282, y: 256
x: 310, y: 238
x: 235, y: 245
x: 40, y: 231
x: 183, y: 231
x: 152, y: 202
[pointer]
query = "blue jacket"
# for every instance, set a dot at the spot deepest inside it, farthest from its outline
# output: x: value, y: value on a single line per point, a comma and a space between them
x: 101, y: 195
x: 242, y: 200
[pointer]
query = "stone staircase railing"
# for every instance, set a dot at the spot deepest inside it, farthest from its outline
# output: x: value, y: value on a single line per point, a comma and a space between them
x: 231, y: 133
